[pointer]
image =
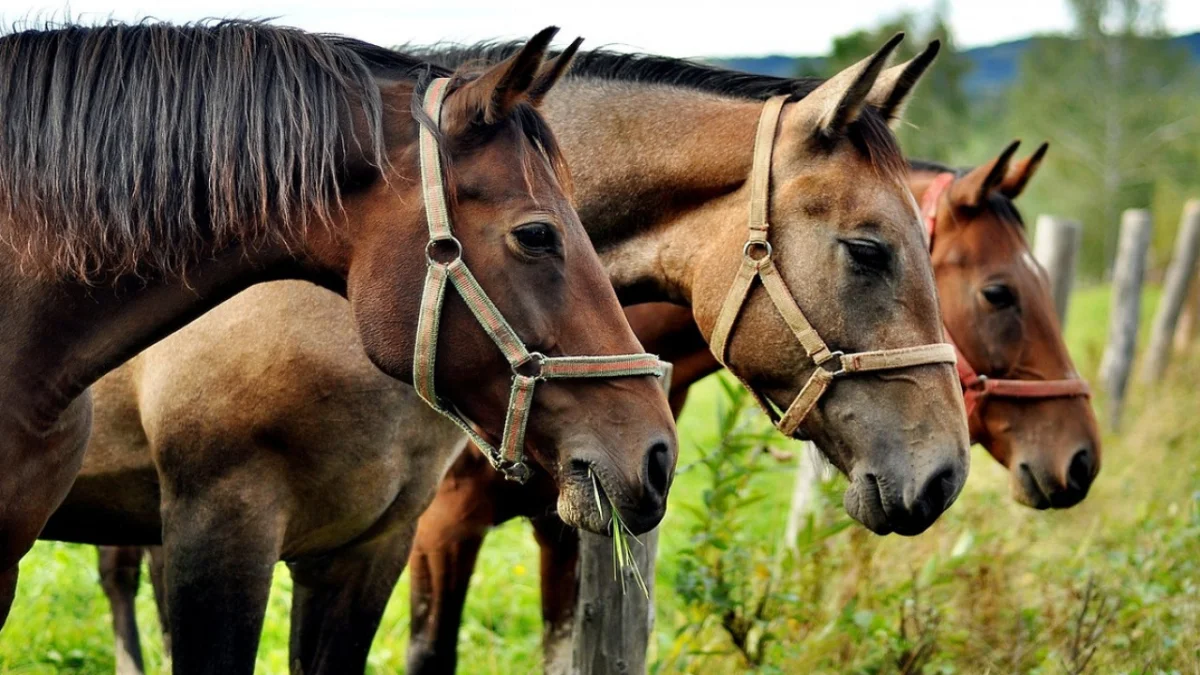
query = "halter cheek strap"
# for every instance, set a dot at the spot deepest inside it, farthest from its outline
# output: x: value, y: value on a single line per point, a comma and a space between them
x: 528, y: 367
x: 757, y: 264
x: 978, y: 388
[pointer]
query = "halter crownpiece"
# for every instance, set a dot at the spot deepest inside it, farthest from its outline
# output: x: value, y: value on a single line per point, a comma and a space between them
x: 978, y: 388
x: 528, y: 367
x: 757, y: 263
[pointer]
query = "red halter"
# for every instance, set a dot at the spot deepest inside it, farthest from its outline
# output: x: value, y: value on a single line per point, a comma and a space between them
x: 977, y: 388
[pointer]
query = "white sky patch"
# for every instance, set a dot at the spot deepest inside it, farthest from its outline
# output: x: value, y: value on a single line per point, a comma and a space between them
x: 669, y: 27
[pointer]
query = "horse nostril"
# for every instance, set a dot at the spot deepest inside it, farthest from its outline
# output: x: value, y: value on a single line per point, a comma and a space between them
x: 658, y: 471
x: 939, y: 492
x: 1079, y: 474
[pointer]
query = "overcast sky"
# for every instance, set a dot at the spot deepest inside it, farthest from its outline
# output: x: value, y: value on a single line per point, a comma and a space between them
x: 729, y: 27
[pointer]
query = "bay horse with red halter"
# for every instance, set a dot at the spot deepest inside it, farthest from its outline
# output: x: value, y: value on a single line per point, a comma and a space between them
x: 149, y: 172
x: 843, y: 241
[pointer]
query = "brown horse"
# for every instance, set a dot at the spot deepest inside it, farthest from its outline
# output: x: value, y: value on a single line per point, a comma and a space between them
x: 997, y: 305
x: 847, y: 240
x: 148, y: 172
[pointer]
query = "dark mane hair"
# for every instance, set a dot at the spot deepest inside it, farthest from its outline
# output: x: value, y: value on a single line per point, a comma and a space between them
x: 138, y: 148
x: 997, y: 203
x: 869, y: 133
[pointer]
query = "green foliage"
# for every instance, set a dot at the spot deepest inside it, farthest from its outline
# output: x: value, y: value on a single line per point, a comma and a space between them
x: 725, y: 576
x: 1117, y: 102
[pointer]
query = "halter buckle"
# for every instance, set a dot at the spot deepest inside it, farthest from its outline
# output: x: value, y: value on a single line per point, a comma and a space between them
x: 443, y: 251
x: 765, y: 246
x: 531, y: 366
x: 837, y: 368
x: 517, y: 472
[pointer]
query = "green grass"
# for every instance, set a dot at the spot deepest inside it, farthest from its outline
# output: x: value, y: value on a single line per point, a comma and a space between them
x: 998, y: 586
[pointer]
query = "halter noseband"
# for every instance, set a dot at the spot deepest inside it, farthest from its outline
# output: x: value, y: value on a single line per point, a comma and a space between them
x: 978, y: 388
x: 528, y: 367
x: 757, y: 263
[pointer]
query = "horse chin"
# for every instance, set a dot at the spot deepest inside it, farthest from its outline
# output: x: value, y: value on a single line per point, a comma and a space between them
x: 577, y: 507
x: 864, y: 504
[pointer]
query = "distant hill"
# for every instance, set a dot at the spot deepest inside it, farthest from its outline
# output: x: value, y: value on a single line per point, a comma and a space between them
x: 995, y: 66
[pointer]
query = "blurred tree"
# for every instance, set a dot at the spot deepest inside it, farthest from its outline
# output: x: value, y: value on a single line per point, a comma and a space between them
x: 1118, y: 103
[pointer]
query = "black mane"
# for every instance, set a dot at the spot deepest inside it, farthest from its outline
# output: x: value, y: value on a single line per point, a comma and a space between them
x: 869, y: 132
x: 602, y: 64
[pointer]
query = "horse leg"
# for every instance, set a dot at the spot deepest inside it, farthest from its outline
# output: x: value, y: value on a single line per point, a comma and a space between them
x: 338, y: 601
x: 120, y: 571
x: 440, y: 570
x: 159, y: 584
x: 219, y: 555
x: 38, y: 471
x: 559, y: 546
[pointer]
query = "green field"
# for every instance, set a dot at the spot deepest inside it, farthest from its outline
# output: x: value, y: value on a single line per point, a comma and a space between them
x: 992, y: 587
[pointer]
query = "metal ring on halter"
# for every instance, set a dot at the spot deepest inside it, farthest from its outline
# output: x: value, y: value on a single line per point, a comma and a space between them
x: 431, y: 249
x: 531, y: 366
x: 751, y: 245
x: 835, y: 358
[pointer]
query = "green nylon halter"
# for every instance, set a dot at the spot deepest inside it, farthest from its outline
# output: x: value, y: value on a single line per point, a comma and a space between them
x: 528, y: 367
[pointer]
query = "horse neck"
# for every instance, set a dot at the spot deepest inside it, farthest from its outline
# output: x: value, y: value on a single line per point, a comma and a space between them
x: 61, y: 336
x: 655, y: 170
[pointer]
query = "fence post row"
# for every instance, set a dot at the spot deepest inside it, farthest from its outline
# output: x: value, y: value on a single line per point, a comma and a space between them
x: 1129, y: 270
x: 1056, y: 248
x: 1175, y: 291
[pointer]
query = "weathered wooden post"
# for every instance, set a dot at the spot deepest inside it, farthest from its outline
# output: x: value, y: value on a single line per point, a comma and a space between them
x: 1189, y: 320
x: 1175, y: 290
x: 1056, y: 248
x: 804, y: 493
x: 613, y: 626
x: 1128, y: 271
x: 614, y: 620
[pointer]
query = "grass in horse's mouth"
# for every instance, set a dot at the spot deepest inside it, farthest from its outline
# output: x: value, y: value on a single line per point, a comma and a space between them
x: 622, y: 553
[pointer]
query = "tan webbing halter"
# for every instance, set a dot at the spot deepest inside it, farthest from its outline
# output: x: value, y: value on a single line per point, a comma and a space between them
x: 528, y: 367
x: 977, y: 388
x: 829, y: 364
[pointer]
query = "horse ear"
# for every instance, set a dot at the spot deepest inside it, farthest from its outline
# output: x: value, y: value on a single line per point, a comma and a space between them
x: 973, y: 188
x: 551, y: 72
x: 840, y: 99
x: 894, y: 85
x: 496, y: 93
x: 1014, y: 182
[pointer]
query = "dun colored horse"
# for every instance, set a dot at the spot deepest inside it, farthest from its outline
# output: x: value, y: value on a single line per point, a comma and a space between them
x: 845, y: 237
x: 149, y: 172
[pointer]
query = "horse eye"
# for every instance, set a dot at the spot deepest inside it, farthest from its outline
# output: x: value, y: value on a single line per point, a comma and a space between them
x: 999, y: 296
x: 868, y: 254
x: 537, y: 238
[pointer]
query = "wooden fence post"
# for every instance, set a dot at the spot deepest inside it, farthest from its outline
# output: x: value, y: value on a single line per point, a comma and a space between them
x: 614, y: 620
x: 1185, y: 331
x: 1175, y: 290
x: 613, y: 627
x: 809, y: 470
x: 1056, y: 247
x: 1129, y: 269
